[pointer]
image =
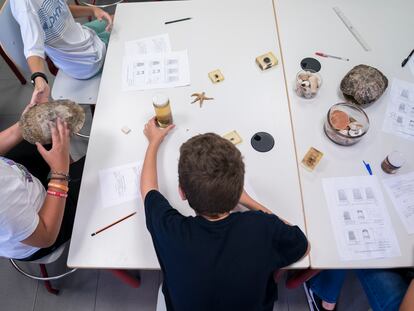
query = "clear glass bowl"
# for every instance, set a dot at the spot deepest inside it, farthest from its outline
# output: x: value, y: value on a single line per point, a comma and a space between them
x: 303, y: 86
x: 345, y: 131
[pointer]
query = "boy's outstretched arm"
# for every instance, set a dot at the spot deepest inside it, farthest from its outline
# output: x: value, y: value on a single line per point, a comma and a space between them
x: 155, y: 136
x: 252, y: 204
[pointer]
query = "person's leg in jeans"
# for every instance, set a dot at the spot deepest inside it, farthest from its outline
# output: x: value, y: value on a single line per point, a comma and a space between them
x: 327, y: 285
x: 385, y: 288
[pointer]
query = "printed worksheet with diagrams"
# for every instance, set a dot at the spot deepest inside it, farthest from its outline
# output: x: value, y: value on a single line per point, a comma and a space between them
x: 411, y: 65
x: 120, y: 184
x: 359, y: 218
x: 155, y: 71
x: 399, y: 117
x: 149, y: 45
x: 400, y: 188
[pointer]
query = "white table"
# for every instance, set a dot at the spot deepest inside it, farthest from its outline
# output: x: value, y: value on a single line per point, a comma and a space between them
x: 309, y: 26
x: 222, y: 34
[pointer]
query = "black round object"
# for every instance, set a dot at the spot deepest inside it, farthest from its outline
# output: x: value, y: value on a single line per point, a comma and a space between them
x: 310, y: 63
x: 262, y: 142
x: 266, y: 60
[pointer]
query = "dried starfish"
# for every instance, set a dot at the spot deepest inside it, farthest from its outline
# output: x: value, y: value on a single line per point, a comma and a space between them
x: 200, y: 97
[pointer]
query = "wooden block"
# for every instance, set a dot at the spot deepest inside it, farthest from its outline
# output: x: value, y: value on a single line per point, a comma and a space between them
x: 312, y: 158
x: 125, y: 130
x: 216, y: 76
x: 266, y: 61
x: 233, y: 137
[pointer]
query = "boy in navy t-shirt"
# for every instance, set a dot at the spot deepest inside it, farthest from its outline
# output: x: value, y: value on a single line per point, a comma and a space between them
x: 216, y: 260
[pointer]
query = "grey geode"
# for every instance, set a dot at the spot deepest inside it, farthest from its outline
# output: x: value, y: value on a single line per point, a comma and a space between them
x: 364, y: 84
x: 35, y: 122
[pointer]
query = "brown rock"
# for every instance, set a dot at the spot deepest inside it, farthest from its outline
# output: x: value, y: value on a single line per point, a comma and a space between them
x: 364, y: 84
x: 35, y: 122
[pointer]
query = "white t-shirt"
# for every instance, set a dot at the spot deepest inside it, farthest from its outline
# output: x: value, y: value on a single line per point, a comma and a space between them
x: 21, y: 197
x: 48, y: 26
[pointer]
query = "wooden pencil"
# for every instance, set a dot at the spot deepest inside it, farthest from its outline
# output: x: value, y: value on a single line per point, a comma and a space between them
x: 113, y: 224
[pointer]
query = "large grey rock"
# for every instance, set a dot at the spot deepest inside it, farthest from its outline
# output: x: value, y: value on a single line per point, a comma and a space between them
x: 35, y: 122
x: 364, y: 84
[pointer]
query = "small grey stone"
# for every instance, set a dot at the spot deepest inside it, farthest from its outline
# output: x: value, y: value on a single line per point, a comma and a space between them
x: 35, y: 122
x: 364, y: 84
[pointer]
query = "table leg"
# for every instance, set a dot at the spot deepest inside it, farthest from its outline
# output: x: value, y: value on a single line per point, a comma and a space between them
x: 126, y: 278
x: 299, y: 277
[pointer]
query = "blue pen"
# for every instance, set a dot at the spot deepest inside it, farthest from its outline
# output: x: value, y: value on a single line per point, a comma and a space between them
x: 368, y: 167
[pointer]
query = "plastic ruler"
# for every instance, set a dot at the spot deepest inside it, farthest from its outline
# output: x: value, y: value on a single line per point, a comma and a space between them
x: 352, y: 29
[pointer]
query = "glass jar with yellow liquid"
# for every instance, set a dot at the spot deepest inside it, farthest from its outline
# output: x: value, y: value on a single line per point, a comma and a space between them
x: 162, y: 108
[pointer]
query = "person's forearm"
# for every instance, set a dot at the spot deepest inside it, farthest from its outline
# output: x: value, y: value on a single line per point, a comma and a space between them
x: 9, y: 138
x: 253, y: 205
x: 50, y: 220
x: 36, y: 64
x: 80, y: 11
x: 149, y: 178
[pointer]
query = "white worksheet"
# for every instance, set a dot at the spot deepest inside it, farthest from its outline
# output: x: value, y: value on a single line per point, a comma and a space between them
x: 399, y: 117
x: 359, y: 218
x: 411, y: 65
x: 155, y: 71
x: 120, y: 184
x: 401, y: 191
x: 148, y: 45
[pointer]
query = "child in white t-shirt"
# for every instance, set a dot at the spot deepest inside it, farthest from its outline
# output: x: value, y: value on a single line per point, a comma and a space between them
x: 35, y: 221
x: 48, y: 28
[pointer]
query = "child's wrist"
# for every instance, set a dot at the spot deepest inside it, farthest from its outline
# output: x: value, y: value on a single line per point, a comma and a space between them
x: 155, y: 143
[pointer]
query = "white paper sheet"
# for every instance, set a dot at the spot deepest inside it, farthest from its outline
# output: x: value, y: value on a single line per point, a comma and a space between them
x: 359, y: 218
x: 411, y: 65
x: 120, y: 184
x: 401, y: 191
x: 399, y: 118
x: 155, y: 71
x: 149, y: 45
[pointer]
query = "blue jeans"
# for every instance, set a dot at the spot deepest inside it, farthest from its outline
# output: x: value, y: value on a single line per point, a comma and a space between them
x: 385, y: 289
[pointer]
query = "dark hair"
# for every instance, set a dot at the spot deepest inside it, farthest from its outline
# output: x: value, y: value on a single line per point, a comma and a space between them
x: 211, y: 174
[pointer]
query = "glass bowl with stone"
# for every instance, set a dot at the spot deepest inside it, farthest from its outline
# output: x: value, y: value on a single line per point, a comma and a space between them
x: 346, y: 124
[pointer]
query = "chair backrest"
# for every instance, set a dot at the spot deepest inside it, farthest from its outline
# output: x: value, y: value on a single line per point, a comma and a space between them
x: 52, y: 257
x: 11, y: 38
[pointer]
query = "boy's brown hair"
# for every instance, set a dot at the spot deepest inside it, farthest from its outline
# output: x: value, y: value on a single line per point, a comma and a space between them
x: 211, y: 174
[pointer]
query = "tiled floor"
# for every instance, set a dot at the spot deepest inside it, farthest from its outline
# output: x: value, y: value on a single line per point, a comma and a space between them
x: 98, y: 289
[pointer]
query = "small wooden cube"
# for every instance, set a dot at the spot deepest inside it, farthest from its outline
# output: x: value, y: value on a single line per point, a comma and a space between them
x: 216, y: 76
x: 266, y: 61
x: 312, y: 158
x: 233, y: 137
x: 125, y: 130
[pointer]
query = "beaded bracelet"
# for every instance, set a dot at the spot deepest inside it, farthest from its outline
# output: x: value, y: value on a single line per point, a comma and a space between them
x: 57, y: 194
x: 58, y: 178
x: 58, y: 186
x: 62, y: 175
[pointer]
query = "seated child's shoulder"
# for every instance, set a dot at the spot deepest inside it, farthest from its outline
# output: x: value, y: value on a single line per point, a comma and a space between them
x: 260, y: 217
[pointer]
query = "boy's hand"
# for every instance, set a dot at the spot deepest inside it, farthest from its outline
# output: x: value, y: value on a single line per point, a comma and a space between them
x: 155, y: 134
x: 58, y: 156
x: 100, y: 15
